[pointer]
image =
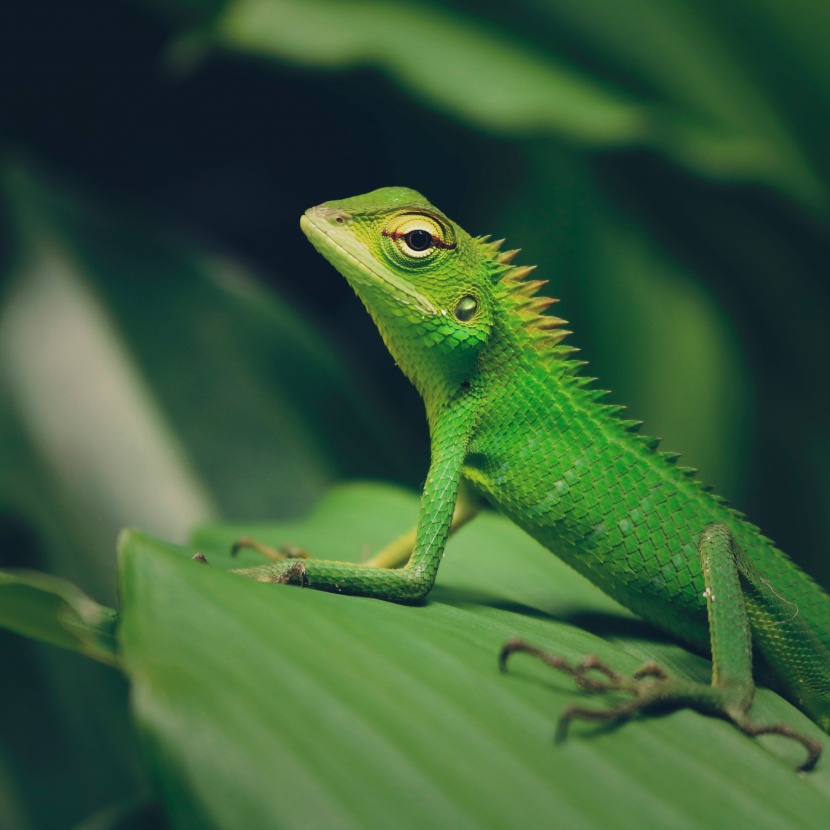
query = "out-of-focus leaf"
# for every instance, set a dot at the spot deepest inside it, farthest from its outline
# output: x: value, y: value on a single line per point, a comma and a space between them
x: 472, y: 73
x: 785, y: 53
x: 705, y: 90
x: 141, y: 381
x: 157, y: 384
x: 72, y: 738
x: 265, y: 705
x: 684, y: 93
x: 51, y: 609
x: 135, y: 814
x: 12, y: 811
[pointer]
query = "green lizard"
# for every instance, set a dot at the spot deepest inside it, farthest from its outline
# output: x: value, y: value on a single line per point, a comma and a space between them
x: 510, y: 416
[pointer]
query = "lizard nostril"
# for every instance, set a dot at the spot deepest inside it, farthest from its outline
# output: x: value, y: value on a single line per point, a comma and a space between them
x: 336, y: 216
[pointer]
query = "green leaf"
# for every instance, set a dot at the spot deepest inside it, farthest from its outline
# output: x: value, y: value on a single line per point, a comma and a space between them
x: 124, y: 355
x: 131, y: 814
x: 271, y: 706
x: 143, y: 380
x: 51, y: 609
x: 478, y: 75
x: 685, y: 94
x: 127, y: 350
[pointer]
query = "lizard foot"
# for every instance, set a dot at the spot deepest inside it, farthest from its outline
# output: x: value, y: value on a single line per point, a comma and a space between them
x: 284, y: 572
x: 651, y: 686
x: 274, y: 554
x: 290, y: 571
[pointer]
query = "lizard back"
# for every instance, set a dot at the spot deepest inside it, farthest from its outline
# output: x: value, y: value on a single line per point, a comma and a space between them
x: 568, y: 470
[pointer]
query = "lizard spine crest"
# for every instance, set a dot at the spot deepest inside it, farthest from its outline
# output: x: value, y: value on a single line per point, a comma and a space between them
x: 544, y: 332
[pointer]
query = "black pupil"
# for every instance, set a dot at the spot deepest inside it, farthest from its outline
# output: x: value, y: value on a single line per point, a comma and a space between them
x: 419, y: 240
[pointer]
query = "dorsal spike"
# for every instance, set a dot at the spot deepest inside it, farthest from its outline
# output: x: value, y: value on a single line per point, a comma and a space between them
x: 527, y: 288
x: 596, y: 394
x: 506, y: 257
x: 540, y: 304
x: 541, y: 331
x: 569, y: 367
x: 548, y: 323
x: 519, y: 272
x: 551, y: 337
x: 631, y: 426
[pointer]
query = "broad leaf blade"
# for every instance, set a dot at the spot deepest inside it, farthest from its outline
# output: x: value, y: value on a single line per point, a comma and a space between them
x: 55, y: 611
x: 270, y: 706
x: 143, y: 380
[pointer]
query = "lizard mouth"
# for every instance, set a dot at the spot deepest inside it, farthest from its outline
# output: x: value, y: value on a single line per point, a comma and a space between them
x: 327, y: 230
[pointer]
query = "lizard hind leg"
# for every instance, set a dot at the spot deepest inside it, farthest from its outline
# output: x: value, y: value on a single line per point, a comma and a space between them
x: 732, y: 689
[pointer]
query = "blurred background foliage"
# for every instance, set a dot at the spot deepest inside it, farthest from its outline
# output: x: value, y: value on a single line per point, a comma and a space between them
x: 172, y: 350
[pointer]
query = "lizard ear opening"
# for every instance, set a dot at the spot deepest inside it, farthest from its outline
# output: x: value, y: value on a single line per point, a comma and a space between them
x: 466, y: 308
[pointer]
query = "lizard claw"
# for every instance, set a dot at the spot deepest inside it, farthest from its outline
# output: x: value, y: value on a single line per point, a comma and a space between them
x: 651, y: 685
x: 278, y: 555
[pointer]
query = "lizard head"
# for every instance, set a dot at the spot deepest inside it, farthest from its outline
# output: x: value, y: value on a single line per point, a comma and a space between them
x: 424, y: 280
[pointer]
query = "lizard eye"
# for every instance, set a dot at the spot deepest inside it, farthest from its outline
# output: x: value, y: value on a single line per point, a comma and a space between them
x: 466, y: 308
x: 416, y: 242
x: 419, y: 240
x: 417, y: 235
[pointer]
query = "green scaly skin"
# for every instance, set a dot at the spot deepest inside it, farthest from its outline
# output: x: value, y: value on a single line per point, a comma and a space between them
x: 510, y: 415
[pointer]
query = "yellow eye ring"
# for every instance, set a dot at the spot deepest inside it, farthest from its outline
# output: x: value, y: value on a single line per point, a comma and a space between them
x: 417, y: 236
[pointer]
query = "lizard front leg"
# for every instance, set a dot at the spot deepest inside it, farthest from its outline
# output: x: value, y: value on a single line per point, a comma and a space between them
x: 732, y: 689
x: 395, y: 555
x: 383, y: 577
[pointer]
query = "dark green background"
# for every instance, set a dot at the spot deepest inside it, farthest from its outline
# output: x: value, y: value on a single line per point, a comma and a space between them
x: 664, y: 162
